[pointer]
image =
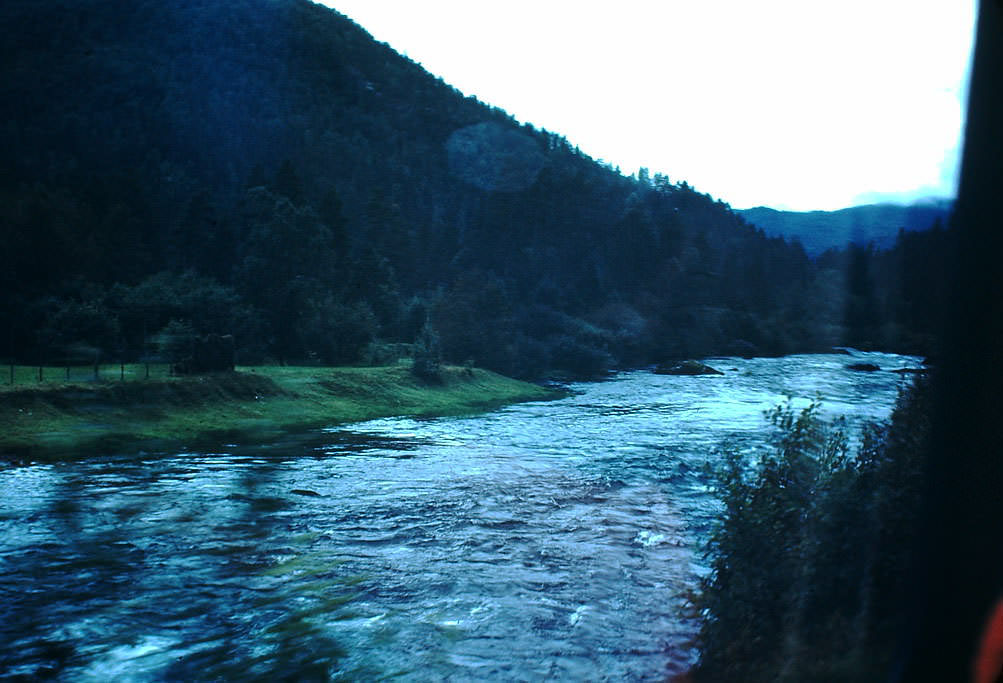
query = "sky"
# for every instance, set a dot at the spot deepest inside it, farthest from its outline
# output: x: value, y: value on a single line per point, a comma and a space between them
x: 794, y: 104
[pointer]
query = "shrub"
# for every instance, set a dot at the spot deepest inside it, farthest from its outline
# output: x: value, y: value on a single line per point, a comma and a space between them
x: 577, y: 358
x: 427, y: 363
x: 73, y: 325
x: 336, y: 333
x: 810, y: 561
x: 176, y: 342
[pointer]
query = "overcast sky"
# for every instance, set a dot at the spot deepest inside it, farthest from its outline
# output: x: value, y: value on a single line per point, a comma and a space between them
x: 797, y: 104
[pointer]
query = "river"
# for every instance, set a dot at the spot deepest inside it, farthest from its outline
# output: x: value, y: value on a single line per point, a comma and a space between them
x: 554, y: 540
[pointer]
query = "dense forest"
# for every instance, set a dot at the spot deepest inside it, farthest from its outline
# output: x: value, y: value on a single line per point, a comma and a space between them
x: 264, y: 168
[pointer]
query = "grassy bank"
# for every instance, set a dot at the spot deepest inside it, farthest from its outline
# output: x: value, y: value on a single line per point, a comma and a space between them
x: 58, y: 420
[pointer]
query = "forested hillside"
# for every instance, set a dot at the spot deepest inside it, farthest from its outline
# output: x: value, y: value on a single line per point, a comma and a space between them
x: 879, y: 224
x: 264, y: 168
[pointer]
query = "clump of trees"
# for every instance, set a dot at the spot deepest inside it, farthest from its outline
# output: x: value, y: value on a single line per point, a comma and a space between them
x: 811, y: 564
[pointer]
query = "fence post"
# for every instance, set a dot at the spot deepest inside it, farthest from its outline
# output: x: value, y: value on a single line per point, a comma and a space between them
x: 12, y: 374
x: 121, y: 372
x: 39, y: 374
x: 147, y: 371
x: 67, y: 372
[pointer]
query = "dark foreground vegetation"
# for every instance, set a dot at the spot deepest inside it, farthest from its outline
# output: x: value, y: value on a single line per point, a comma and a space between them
x: 264, y: 169
x: 944, y: 611
x: 814, y: 562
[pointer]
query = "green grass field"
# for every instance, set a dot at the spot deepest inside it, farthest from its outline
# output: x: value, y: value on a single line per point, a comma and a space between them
x: 56, y: 418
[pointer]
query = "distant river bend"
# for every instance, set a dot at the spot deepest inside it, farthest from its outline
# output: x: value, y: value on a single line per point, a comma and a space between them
x: 545, y: 540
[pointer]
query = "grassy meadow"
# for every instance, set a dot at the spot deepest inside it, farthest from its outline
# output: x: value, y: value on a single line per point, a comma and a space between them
x: 55, y: 418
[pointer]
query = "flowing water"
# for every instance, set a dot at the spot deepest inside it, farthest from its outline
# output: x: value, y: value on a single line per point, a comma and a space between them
x: 558, y: 539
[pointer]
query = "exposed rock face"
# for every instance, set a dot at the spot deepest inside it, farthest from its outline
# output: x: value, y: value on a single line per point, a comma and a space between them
x: 687, y: 367
x: 863, y: 367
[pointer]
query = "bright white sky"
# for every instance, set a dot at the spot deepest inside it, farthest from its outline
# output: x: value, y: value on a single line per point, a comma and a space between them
x: 796, y: 104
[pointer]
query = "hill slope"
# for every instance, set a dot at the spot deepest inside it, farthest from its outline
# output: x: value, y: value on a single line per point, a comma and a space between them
x: 822, y: 230
x: 264, y: 168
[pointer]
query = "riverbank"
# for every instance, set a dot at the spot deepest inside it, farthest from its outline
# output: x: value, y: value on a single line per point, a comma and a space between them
x: 253, y: 403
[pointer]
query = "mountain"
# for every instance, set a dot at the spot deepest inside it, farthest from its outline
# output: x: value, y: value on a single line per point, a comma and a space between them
x: 873, y: 223
x: 264, y: 168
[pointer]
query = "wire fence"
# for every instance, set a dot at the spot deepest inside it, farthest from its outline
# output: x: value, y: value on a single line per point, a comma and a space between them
x: 20, y: 375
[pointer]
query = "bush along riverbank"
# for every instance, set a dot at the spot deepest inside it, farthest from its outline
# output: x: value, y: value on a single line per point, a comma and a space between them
x: 71, y: 420
x: 812, y: 562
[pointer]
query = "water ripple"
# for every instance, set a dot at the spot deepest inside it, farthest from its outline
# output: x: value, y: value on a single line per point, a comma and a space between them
x: 550, y: 540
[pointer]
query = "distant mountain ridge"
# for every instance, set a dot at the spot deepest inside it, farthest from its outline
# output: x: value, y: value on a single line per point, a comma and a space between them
x: 872, y: 223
